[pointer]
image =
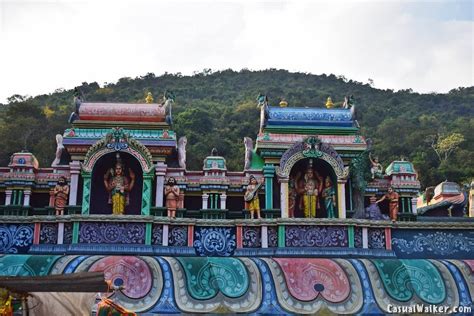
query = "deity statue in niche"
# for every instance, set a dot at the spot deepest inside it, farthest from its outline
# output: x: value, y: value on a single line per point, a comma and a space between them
x: 392, y: 198
x: 252, y: 203
x: 309, y: 188
x: 172, y: 197
x: 61, y: 192
x: 329, y: 196
x: 119, y: 186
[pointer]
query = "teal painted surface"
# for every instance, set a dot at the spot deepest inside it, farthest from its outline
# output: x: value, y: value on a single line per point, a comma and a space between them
x: 26, y: 265
x: 402, y: 279
x: 146, y: 195
x: 257, y: 161
x: 206, y: 277
x: 269, y: 173
x: 400, y: 167
x: 86, y: 194
x: 135, y: 133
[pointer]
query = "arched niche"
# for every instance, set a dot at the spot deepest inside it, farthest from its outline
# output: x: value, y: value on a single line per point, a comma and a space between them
x: 99, y: 195
x: 117, y: 141
x: 326, y: 155
x: 323, y: 169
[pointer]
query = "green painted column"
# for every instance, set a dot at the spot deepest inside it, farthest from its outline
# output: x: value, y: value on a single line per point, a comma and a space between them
x: 15, y: 193
x: 148, y: 229
x: 146, y: 193
x: 86, y: 193
x: 281, y: 236
x: 403, y: 204
x: 268, y: 173
x: 20, y: 196
x: 75, y: 232
x: 350, y: 234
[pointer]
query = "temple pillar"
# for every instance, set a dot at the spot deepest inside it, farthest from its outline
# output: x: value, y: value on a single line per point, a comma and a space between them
x: 223, y: 201
x: 160, y: 172
x: 413, y: 205
x: 284, y: 197
x: 74, y: 169
x: 146, y: 194
x: 205, y: 199
x: 86, y: 193
x: 26, y: 200
x: 8, y: 197
x: 268, y: 173
x: 341, y: 198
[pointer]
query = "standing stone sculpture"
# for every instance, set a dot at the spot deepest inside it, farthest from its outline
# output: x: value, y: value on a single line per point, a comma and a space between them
x: 61, y: 193
x: 119, y: 186
x: 248, y: 152
x: 329, y: 196
x: 59, y: 150
x: 393, y: 198
x: 309, y: 190
x: 172, y: 197
x: 252, y: 203
x: 182, y: 152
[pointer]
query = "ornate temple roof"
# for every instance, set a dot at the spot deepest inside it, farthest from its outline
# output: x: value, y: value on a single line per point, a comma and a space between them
x: 123, y: 112
x: 400, y: 167
x: 309, y: 117
x: 23, y: 160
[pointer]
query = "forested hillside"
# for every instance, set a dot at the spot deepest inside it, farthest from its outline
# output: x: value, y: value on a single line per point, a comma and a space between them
x: 217, y: 109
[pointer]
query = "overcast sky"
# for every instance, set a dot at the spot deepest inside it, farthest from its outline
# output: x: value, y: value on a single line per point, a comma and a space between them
x: 423, y: 45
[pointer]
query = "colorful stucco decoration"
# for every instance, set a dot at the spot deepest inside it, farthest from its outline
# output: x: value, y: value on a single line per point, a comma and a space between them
x: 212, y: 258
x: 216, y: 285
x: 407, y: 282
x: 312, y: 147
x: 307, y: 286
x: 118, y: 140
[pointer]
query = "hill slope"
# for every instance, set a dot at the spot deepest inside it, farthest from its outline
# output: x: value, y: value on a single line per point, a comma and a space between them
x: 218, y: 109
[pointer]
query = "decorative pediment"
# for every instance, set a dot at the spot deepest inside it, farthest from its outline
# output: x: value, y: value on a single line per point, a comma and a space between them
x: 118, y: 140
x: 312, y: 147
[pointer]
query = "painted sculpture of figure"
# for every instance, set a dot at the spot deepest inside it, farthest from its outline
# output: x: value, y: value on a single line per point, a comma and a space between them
x: 61, y: 192
x: 329, y: 196
x: 392, y: 198
x: 59, y: 150
x: 252, y: 203
x: 376, y: 169
x: 248, y: 142
x: 172, y: 197
x: 119, y: 186
x: 182, y: 151
x: 309, y: 190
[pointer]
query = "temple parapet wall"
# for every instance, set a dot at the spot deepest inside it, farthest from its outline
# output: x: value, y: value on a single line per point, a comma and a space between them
x: 149, y: 235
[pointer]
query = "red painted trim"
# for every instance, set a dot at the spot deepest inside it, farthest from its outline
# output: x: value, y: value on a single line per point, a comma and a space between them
x: 388, y: 238
x: 239, y: 237
x: 190, y: 235
x: 36, y: 233
x: 157, y: 119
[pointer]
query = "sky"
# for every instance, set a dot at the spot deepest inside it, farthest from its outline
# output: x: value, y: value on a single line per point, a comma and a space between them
x: 423, y: 45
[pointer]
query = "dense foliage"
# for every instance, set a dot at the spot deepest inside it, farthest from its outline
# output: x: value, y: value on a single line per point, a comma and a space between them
x: 217, y: 109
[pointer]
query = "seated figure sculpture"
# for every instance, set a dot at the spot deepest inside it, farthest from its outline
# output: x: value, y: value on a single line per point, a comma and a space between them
x: 371, y: 212
x: 118, y: 185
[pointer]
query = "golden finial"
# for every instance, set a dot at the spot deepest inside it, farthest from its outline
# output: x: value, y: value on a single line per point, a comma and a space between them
x: 283, y: 103
x: 329, y: 103
x: 149, y: 98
